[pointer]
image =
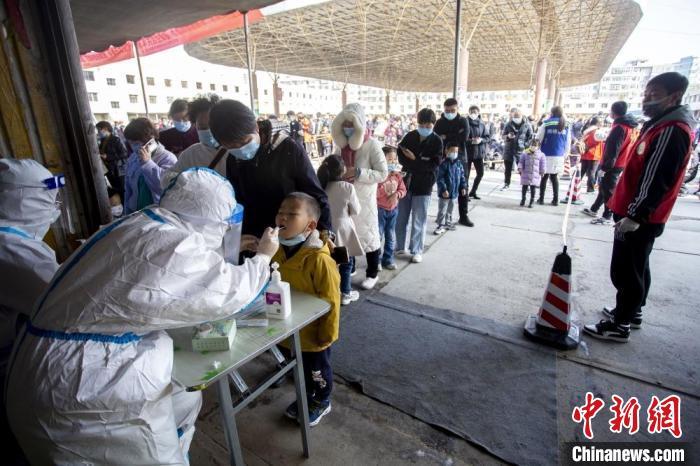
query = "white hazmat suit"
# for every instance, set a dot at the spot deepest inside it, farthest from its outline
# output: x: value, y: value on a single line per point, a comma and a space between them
x: 27, y: 209
x: 90, y: 377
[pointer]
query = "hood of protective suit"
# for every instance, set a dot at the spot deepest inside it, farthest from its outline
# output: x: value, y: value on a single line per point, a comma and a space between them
x: 204, y: 201
x: 356, y: 114
x: 25, y: 201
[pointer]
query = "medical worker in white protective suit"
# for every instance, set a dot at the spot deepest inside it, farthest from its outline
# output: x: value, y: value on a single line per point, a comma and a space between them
x: 90, y: 376
x: 27, y: 264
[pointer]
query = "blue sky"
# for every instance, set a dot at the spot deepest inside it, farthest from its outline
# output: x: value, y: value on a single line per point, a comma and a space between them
x: 667, y: 31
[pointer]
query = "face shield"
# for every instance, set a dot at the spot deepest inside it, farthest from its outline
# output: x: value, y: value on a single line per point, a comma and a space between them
x: 232, y: 237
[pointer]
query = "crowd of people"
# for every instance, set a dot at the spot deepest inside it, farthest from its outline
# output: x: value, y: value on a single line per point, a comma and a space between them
x: 92, y: 361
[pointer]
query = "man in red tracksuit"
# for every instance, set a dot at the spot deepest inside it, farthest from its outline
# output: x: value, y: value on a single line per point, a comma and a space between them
x: 643, y: 200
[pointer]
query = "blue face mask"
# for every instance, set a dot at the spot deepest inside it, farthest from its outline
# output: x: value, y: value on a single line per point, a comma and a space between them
x: 293, y: 241
x: 393, y: 167
x: 450, y: 116
x: 452, y: 155
x: 348, y: 132
x: 182, y: 126
x: 246, y: 152
x: 424, y: 132
x: 206, y: 138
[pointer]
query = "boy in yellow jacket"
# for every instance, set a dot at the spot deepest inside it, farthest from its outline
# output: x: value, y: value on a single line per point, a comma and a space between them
x: 306, y: 264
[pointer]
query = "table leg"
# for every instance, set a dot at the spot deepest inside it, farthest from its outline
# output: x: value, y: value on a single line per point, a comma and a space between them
x: 302, y: 402
x: 229, y: 421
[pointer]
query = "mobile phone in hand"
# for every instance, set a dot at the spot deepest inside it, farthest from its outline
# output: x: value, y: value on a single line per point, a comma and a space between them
x: 151, y: 146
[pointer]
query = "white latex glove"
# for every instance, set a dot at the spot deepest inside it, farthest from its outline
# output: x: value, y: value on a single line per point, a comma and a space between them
x: 626, y: 225
x: 269, y: 243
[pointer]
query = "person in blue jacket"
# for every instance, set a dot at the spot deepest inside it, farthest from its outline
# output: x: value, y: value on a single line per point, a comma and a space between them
x: 451, y: 183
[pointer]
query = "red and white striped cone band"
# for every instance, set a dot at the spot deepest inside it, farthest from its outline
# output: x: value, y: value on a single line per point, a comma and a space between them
x: 554, y: 312
x: 577, y: 189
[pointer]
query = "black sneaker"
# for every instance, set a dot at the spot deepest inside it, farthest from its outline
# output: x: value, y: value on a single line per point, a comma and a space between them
x: 636, y: 322
x: 540, y: 201
x: 466, y: 222
x: 555, y: 202
x: 292, y: 411
x: 608, y: 330
x: 522, y: 203
x: 474, y: 196
x: 318, y: 409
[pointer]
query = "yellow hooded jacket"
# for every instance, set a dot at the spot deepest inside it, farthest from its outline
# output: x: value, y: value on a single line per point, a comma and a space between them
x: 312, y: 270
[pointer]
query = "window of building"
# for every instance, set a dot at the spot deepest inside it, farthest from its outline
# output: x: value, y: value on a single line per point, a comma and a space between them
x: 183, y: 84
x: 92, y: 96
x: 168, y: 82
x: 224, y: 87
x: 579, y: 105
x: 152, y: 99
x: 111, y: 82
x: 133, y: 98
x: 114, y: 104
x: 130, y: 79
x: 236, y: 89
x: 591, y: 105
x: 290, y: 94
x: 169, y: 99
x: 150, y: 81
x: 265, y: 92
x: 605, y: 105
x: 198, y: 85
x: 88, y: 75
x: 212, y: 87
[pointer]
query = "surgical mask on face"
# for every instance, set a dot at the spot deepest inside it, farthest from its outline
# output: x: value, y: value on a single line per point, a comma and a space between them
x: 517, y: 121
x: 117, y: 210
x: 473, y: 116
x: 424, y: 132
x: 348, y: 132
x: 450, y: 116
x: 452, y: 155
x: 246, y: 152
x: 182, y: 126
x: 293, y: 241
x: 103, y: 134
x: 206, y: 138
x: 393, y: 167
x: 653, y: 106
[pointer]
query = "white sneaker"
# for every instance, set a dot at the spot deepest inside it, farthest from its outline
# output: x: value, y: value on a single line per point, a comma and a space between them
x: 438, y: 231
x: 379, y: 267
x: 401, y: 252
x: 369, y: 283
x: 417, y: 259
x: 346, y: 299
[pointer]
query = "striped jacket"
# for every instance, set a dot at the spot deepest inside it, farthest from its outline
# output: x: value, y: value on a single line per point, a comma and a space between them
x: 650, y: 183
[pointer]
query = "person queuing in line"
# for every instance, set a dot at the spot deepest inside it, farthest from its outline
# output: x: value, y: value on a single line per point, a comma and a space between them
x: 477, y: 144
x: 420, y: 155
x: 389, y: 193
x: 183, y: 134
x: 147, y: 164
x: 617, y: 152
x: 93, y: 364
x: 643, y: 200
x: 263, y: 168
x: 203, y: 153
x: 450, y: 184
x: 344, y: 206
x: 27, y: 210
x: 554, y: 136
x: 593, y: 138
x: 114, y: 155
x: 306, y: 264
x: 365, y: 167
x: 453, y: 128
x: 296, y: 132
x: 517, y: 134
x: 532, y: 166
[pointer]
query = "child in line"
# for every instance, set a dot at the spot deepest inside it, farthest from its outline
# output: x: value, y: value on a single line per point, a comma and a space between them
x: 389, y: 192
x: 306, y: 264
x: 450, y: 184
x: 532, y: 166
x: 344, y: 205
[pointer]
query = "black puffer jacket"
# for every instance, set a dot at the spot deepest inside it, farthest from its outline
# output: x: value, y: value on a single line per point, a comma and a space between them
x: 421, y: 174
x: 477, y: 129
x: 453, y: 131
x: 514, y: 146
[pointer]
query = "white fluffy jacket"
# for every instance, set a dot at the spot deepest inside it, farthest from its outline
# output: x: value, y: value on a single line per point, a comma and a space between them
x: 370, y: 161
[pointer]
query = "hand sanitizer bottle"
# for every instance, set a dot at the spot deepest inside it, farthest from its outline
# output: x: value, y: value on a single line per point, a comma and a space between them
x: 277, y: 296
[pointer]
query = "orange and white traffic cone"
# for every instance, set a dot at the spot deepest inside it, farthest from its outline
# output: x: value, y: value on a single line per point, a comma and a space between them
x: 567, y: 169
x: 574, y: 189
x: 552, y: 325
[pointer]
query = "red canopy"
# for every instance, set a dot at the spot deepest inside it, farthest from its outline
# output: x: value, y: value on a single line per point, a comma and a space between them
x: 169, y: 38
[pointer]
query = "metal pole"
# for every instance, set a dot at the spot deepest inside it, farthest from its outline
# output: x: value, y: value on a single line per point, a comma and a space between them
x: 458, y: 21
x: 143, y: 85
x: 246, y: 33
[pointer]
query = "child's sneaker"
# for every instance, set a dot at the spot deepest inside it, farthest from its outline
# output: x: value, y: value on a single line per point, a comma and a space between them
x: 589, y: 212
x: 347, y: 298
x: 602, y: 221
x: 636, y: 322
x: 608, y: 330
x: 318, y: 409
x: 439, y: 230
